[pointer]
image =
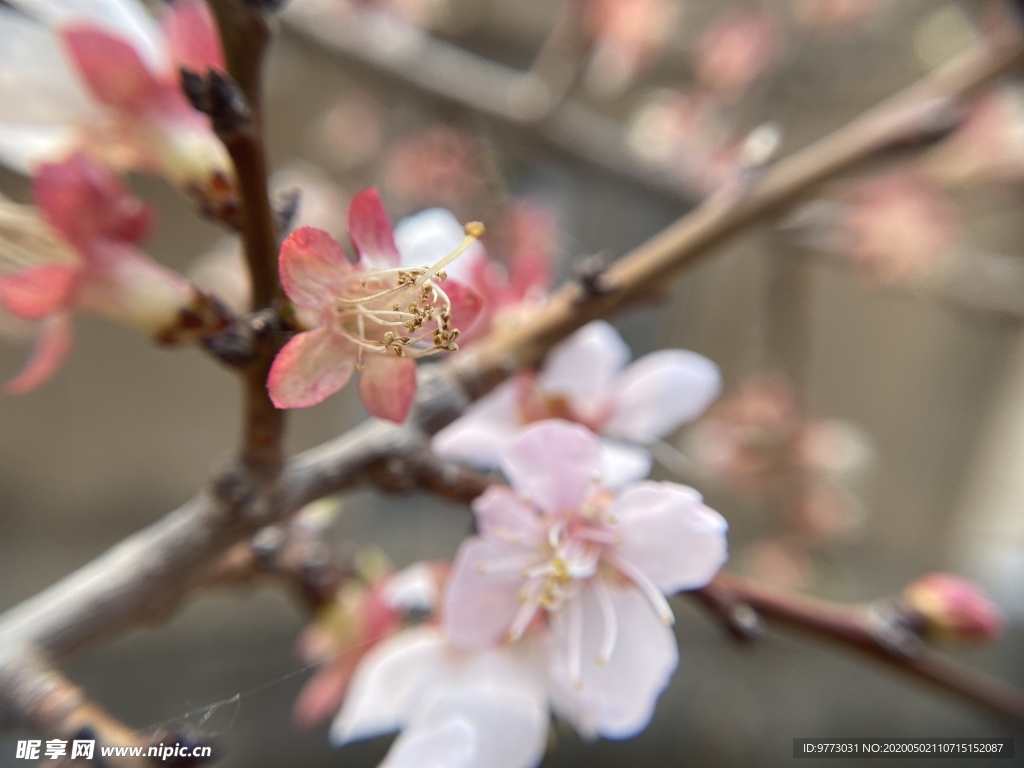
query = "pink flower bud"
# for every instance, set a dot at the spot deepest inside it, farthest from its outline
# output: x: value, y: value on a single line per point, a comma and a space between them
x: 953, y: 609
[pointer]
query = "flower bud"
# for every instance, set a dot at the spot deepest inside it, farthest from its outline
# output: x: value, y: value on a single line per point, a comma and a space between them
x: 952, y: 609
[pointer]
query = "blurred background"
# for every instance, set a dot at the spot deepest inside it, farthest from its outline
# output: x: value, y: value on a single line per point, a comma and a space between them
x: 870, y: 342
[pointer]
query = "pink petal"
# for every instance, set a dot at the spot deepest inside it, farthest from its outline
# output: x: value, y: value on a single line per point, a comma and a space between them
x: 616, y: 699
x: 530, y: 274
x: 192, y: 35
x: 555, y: 463
x: 84, y: 201
x: 33, y: 293
x: 483, y: 593
x: 313, y: 267
x: 670, y: 536
x: 112, y: 69
x: 370, y: 229
x: 387, y: 386
x: 310, y: 368
x: 585, y: 365
x: 478, y: 438
x: 466, y: 304
x: 323, y: 693
x: 662, y: 391
x: 51, y: 349
x: 502, y: 516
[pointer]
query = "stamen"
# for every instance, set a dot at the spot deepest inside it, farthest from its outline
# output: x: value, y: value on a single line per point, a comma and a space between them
x: 523, y: 617
x: 611, y: 624
x: 474, y: 231
x: 646, y: 586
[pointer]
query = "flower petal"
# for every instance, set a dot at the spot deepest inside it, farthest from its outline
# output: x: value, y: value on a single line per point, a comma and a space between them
x: 85, y: 201
x: 478, y: 437
x: 310, y: 368
x: 483, y: 592
x: 33, y: 293
x: 616, y: 699
x: 670, y: 536
x: 51, y: 349
x: 387, y: 386
x: 466, y: 304
x: 385, y: 688
x: 313, y: 267
x: 583, y: 367
x: 554, y: 462
x: 502, y: 516
x: 193, y: 39
x: 622, y: 464
x: 112, y: 69
x: 129, y: 21
x: 369, y: 226
x: 662, y: 391
x: 426, y: 237
x: 438, y: 743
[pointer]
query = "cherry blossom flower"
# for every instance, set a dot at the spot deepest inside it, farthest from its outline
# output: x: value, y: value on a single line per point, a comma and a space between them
x: 507, y: 293
x: 375, y: 314
x: 559, y: 549
x: 99, y: 269
x: 585, y: 379
x: 103, y: 76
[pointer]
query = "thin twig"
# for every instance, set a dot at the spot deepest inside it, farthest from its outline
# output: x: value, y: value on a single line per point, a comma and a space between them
x: 860, y: 629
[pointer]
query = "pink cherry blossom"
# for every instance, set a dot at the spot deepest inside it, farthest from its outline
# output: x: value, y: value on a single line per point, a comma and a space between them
x: 100, y: 270
x: 736, y: 50
x: 628, y: 37
x: 560, y: 549
x: 104, y: 77
x: 508, y: 292
x: 585, y: 379
x: 374, y: 315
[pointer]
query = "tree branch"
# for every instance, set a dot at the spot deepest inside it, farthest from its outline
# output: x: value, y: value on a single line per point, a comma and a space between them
x: 863, y: 630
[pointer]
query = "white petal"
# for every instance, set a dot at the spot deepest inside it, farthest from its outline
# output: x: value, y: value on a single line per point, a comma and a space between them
x: 426, y: 237
x: 622, y: 464
x: 616, y: 699
x: 450, y: 743
x: 584, y: 366
x: 126, y: 18
x: 555, y: 463
x: 662, y: 391
x: 669, y: 535
x: 475, y: 728
x: 414, y: 588
x: 37, y: 85
x: 502, y: 515
x: 388, y: 684
x: 23, y: 146
x: 478, y: 437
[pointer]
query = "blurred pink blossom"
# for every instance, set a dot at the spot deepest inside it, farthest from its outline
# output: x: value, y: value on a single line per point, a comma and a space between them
x: 736, y: 50
x: 628, y: 38
x: 103, y: 76
x: 434, y: 166
x: 102, y: 271
x: 953, y: 609
x: 374, y: 314
x: 585, y: 379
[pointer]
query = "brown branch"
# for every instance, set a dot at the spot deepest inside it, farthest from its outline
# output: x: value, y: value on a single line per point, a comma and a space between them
x: 51, y: 704
x: 863, y: 630
x: 245, y: 35
x: 144, y: 577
